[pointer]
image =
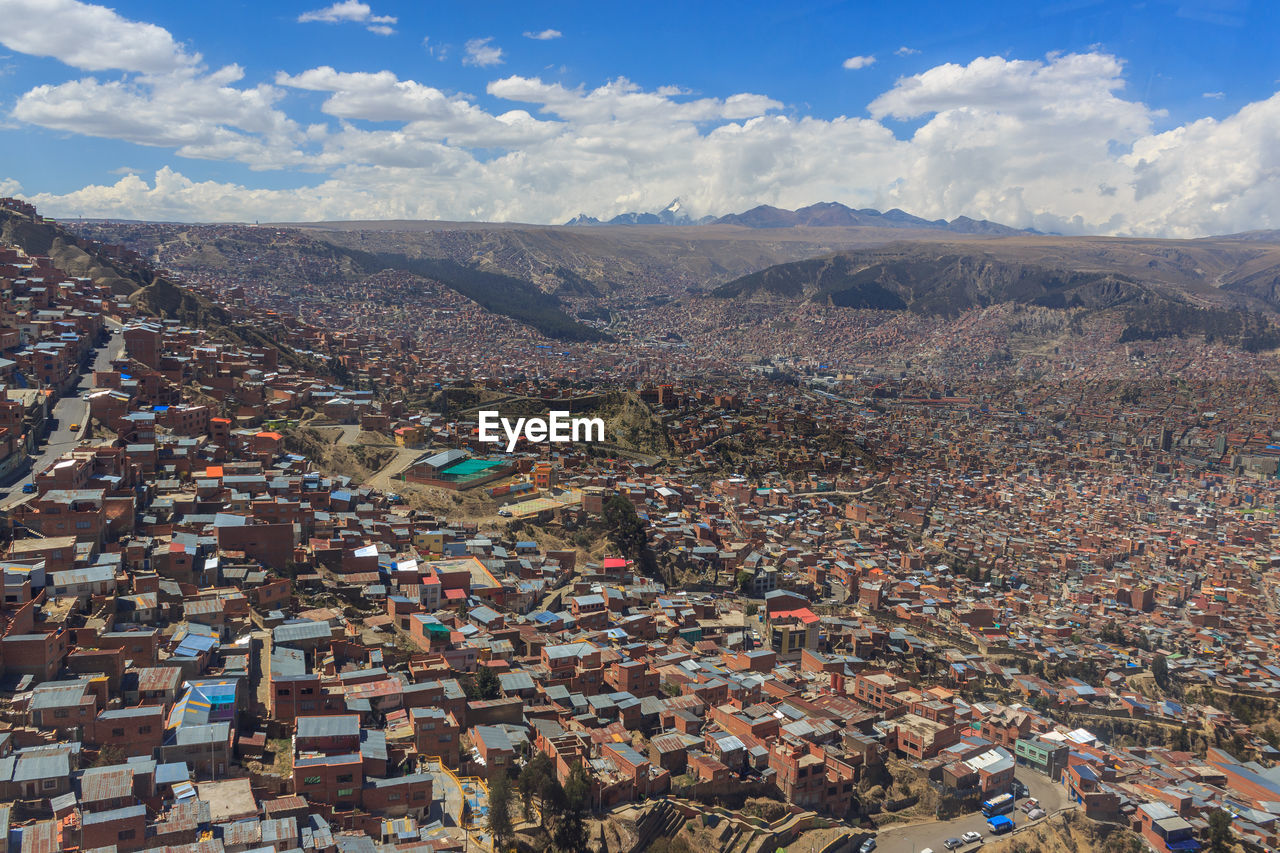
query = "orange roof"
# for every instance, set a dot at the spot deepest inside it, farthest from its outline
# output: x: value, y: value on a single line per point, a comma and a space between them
x: 274, y: 436
x: 213, y: 471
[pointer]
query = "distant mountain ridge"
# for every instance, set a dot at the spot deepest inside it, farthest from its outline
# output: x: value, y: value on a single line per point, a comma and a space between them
x: 823, y: 214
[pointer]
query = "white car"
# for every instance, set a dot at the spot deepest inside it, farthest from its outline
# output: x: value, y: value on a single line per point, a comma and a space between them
x: 970, y: 837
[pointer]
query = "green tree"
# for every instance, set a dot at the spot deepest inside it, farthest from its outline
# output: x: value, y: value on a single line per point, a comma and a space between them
x: 551, y: 798
x: 1160, y: 671
x: 571, y: 829
x: 530, y: 781
x: 500, y: 809
x: 483, y: 685
x: 627, y: 533
x: 744, y: 579
x: 1219, y: 832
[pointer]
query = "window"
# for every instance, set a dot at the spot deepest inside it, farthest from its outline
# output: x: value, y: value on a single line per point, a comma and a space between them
x: 144, y: 730
x: 126, y: 834
x: 307, y: 691
x: 284, y: 691
x: 345, y: 777
x: 311, y: 780
x: 117, y: 732
x: 83, y: 525
x: 60, y: 713
x: 346, y: 792
x: 419, y: 795
x: 393, y: 797
x: 50, y: 784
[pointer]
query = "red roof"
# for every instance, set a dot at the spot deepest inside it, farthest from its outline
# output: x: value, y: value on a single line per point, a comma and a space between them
x: 804, y: 614
x: 616, y: 563
x: 455, y: 594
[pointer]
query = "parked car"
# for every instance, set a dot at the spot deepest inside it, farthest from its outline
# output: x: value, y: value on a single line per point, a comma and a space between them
x: 28, y: 488
x: 970, y: 837
x: 952, y: 843
x: 1035, y: 814
x: 867, y: 846
x: 1019, y: 789
x: 1030, y: 804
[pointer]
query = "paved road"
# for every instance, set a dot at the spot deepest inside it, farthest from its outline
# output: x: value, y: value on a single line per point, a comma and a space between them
x: 912, y: 839
x: 71, y: 409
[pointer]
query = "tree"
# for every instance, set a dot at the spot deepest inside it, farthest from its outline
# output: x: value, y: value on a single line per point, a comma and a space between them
x: 109, y: 756
x: 744, y: 579
x: 483, y: 685
x: 500, y: 808
x: 1219, y: 832
x: 627, y: 533
x: 571, y: 830
x: 530, y: 781
x: 752, y: 609
x: 1160, y: 671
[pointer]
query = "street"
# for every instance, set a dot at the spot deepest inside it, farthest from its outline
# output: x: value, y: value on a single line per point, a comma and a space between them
x: 71, y: 409
x: 914, y: 838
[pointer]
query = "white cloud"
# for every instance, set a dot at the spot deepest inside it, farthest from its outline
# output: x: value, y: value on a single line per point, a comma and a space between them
x: 9, y: 187
x: 1214, y: 96
x: 482, y: 53
x: 432, y: 115
x: 198, y: 115
x: 854, y: 63
x: 906, y: 51
x: 92, y: 38
x: 1054, y: 143
x: 352, y: 11
x: 543, y: 35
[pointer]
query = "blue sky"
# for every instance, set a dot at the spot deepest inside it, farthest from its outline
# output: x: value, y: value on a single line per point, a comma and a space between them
x: 1101, y: 117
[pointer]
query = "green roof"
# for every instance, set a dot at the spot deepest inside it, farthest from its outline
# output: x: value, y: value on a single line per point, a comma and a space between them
x: 469, y: 468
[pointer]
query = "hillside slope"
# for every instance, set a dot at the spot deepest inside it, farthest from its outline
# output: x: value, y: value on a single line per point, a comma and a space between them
x: 149, y: 290
x: 933, y: 284
x: 301, y: 259
x: 933, y: 277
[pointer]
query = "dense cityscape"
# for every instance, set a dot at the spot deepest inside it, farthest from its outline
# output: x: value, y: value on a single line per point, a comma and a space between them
x: 896, y: 585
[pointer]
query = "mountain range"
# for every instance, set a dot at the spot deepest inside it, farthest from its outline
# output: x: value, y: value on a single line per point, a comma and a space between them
x: 826, y: 214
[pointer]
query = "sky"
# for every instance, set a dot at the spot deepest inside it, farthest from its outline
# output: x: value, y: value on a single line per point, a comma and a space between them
x: 1078, y: 116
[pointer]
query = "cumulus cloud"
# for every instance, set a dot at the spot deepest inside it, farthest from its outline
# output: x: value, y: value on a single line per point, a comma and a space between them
x: 196, y: 114
x: 482, y: 53
x: 352, y: 11
x: 9, y: 187
x: 853, y: 63
x: 906, y: 51
x: 1054, y: 143
x: 91, y: 38
x: 543, y: 35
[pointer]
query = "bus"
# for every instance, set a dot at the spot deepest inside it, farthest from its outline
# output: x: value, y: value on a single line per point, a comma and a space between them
x: 1002, y: 804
